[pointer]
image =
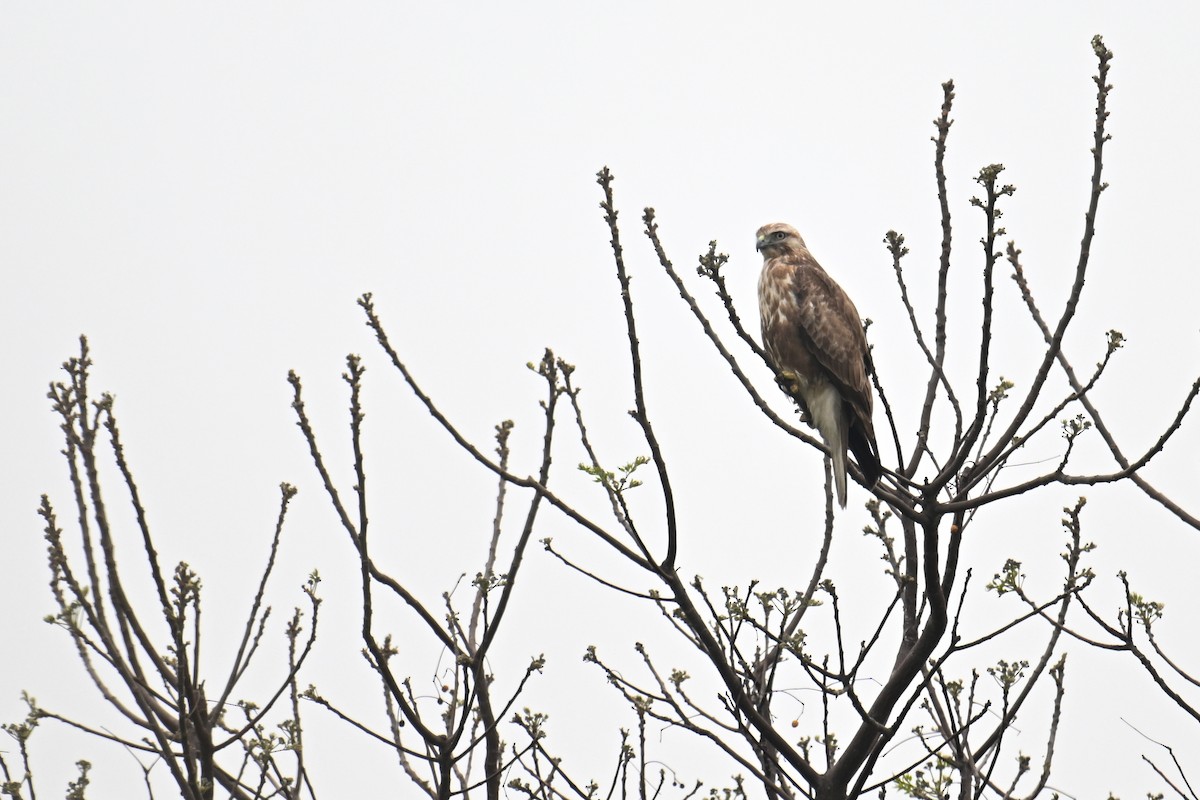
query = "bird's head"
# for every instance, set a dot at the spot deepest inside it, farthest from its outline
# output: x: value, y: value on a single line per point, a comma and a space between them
x: 777, y: 239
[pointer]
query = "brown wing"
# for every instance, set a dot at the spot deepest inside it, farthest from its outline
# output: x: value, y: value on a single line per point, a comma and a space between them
x: 832, y: 332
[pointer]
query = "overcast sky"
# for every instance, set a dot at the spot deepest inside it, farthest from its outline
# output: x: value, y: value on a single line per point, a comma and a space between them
x: 204, y: 190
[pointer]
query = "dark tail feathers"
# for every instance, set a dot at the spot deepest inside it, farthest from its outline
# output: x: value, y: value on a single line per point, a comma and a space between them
x: 866, y: 454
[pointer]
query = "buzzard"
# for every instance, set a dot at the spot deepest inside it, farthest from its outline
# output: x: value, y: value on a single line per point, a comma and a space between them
x: 814, y: 338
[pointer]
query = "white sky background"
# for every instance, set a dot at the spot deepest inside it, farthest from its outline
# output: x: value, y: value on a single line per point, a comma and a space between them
x: 205, y: 192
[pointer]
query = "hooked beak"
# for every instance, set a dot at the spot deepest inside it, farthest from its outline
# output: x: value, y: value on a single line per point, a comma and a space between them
x: 759, y: 243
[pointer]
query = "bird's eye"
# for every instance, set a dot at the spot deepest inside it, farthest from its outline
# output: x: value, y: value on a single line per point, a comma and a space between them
x: 780, y: 235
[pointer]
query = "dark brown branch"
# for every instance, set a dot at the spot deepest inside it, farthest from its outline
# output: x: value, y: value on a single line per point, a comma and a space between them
x: 242, y: 659
x: 359, y: 541
x: 1054, y: 346
x: 376, y: 325
x: 943, y: 123
x: 1090, y: 480
x: 962, y: 449
x: 640, y: 415
x: 1085, y: 401
x: 616, y: 499
x: 895, y: 246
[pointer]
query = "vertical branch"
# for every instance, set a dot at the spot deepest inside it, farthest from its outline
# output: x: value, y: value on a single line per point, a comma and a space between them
x: 641, y: 715
x: 943, y: 123
x: 548, y: 370
x: 163, y: 681
x: 353, y: 378
x: 858, y: 751
x: 897, y: 249
x: 120, y: 646
x: 481, y: 691
x: 242, y: 658
x: 616, y: 499
x: 118, y: 449
x: 294, y: 727
x: 986, y: 178
x: 1100, y: 136
x: 605, y: 178
x: 127, y: 623
x: 184, y: 697
x: 1075, y: 549
x: 910, y: 590
x: 379, y: 655
x: 503, y: 430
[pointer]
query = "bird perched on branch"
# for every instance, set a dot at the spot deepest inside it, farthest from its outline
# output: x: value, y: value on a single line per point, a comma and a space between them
x: 814, y: 338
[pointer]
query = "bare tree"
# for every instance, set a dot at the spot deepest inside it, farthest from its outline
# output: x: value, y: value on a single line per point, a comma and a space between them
x: 455, y: 745
x: 751, y: 641
x: 146, y: 662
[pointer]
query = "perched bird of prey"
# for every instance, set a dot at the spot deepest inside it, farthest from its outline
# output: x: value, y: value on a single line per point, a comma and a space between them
x: 814, y: 337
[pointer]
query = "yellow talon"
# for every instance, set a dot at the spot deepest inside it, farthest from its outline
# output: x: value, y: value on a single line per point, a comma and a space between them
x: 789, y: 381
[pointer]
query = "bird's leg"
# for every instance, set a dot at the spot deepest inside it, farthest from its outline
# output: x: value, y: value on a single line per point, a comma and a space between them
x: 790, y: 383
x: 805, y: 417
